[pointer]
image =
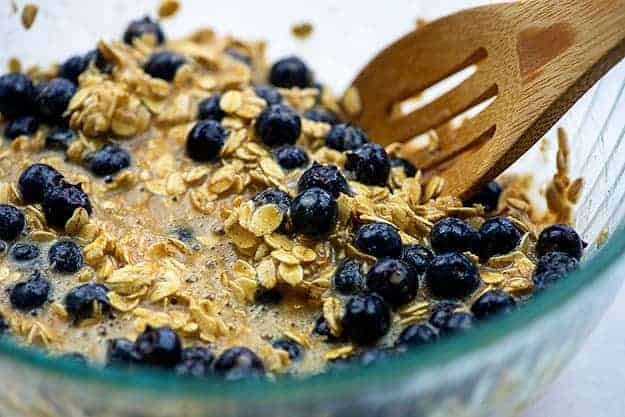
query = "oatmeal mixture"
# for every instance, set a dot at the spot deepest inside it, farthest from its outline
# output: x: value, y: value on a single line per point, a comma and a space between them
x: 178, y: 203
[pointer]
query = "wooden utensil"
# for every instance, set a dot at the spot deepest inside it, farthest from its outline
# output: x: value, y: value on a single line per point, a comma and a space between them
x: 537, y: 57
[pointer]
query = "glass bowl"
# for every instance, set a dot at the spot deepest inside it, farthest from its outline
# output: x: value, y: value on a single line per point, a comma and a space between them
x: 494, y: 370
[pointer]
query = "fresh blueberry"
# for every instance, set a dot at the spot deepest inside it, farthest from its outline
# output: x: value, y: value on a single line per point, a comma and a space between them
x: 552, y: 267
x: 36, y: 180
x: 379, y: 240
x: 80, y: 300
x: 318, y: 114
x: 238, y: 363
x: 60, y: 202
x: 454, y: 235
x: 417, y: 335
x: 451, y: 275
x: 441, y: 312
x: 138, y: 28
x: 393, y: 280
x: 16, y: 95
x: 205, y: 140
x: 278, y: 125
x: 60, y: 139
x: 367, y: 318
x: 159, y: 347
x: 314, y: 212
x: 108, y: 160
x: 164, y: 65
x: 269, y: 94
x: 348, y: 278
x: 23, y: 252
x: 346, y: 137
x: 121, y: 352
x: 491, y: 303
x: 12, y: 222
x: 65, y: 256
x: 457, y: 322
x: 239, y: 56
x: 369, y: 164
x: 278, y: 198
x: 418, y: 257
x: 196, y: 361
x: 559, y: 238
x: 326, y: 177
x: 73, y: 67
x: 322, y: 328
x: 487, y: 196
x: 409, y: 169
x: 22, y: 126
x: 291, y: 347
x: 209, y: 109
x: 290, y: 72
x: 498, y: 236
x: 53, y: 98
x: 291, y: 157
x: 32, y: 293
x: 75, y: 357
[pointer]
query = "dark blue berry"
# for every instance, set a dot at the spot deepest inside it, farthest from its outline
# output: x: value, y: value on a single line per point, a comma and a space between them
x: 291, y: 347
x: 60, y: 139
x: 239, y: 56
x: 209, y: 109
x: 53, y: 97
x: 16, y: 95
x: 32, y: 293
x: 73, y: 67
x: 559, y: 238
x: 441, y: 312
x: 139, y: 27
x: 418, y: 257
x: 278, y: 125
x: 278, y: 198
x: 451, y: 275
x: 23, y: 252
x: 238, y: 363
x: 379, y: 240
x: 454, y: 235
x: 314, y: 213
x: 36, y: 180
x: 348, y: 278
x: 396, y: 282
x: 322, y: 328
x: 121, y: 352
x: 409, y: 169
x: 65, y: 256
x: 346, y: 137
x: 164, y: 65
x: 326, y: 177
x: 196, y: 361
x: 552, y: 267
x: 487, y: 196
x: 74, y: 357
x: 456, y: 323
x: 367, y: 318
x: 12, y: 222
x: 369, y: 164
x: 491, y: 303
x: 60, y: 202
x: 205, y: 140
x: 318, y: 114
x: 22, y: 126
x: 498, y: 236
x: 290, y: 72
x: 79, y: 301
x: 159, y: 347
x: 417, y: 335
x: 269, y: 94
x: 108, y: 160
x: 291, y: 157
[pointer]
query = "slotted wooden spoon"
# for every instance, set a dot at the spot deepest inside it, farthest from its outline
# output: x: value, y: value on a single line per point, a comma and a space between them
x: 537, y: 57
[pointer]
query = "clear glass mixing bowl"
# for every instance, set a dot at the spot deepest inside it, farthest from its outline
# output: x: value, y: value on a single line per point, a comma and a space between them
x: 492, y: 371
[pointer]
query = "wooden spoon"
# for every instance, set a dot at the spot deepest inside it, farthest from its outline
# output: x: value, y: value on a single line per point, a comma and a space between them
x: 537, y: 57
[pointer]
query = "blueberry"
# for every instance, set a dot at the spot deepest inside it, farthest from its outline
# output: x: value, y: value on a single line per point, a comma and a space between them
x: 238, y: 363
x: 451, y: 275
x: 322, y: 328
x: 121, y: 352
x: 454, y: 235
x: 418, y: 257
x: 487, y: 196
x: 291, y: 157
x: 196, y: 361
x: 16, y: 95
x: 314, y: 213
x: 498, y: 236
x: 36, y: 180
x: 409, y: 169
x: 326, y: 177
x: 60, y: 139
x: 457, y: 322
x: 318, y: 114
x: 22, y: 126
x: 367, y: 318
x: 108, y: 160
x: 138, y: 28
x: 205, y: 140
x: 346, y: 137
x: 279, y: 199
x: 80, y: 300
x: 65, y: 256
x: 60, y: 201
x: 393, y: 280
x: 12, y: 222
x: 291, y: 347
x: 417, y: 335
x: 290, y: 72
x: 159, y: 346
x: 75, y: 357
x: 73, y: 67
x: 551, y: 268
x: 348, y: 278
x: 32, y: 293
x: 278, y: 125
x: 491, y: 303
x: 53, y: 97
x: 441, y: 312
x: 22, y: 252
x: 209, y: 109
x: 269, y: 94
x: 369, y: 164
x: 559, y: 238
x: 164, y: 65
x: 379, y: 240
